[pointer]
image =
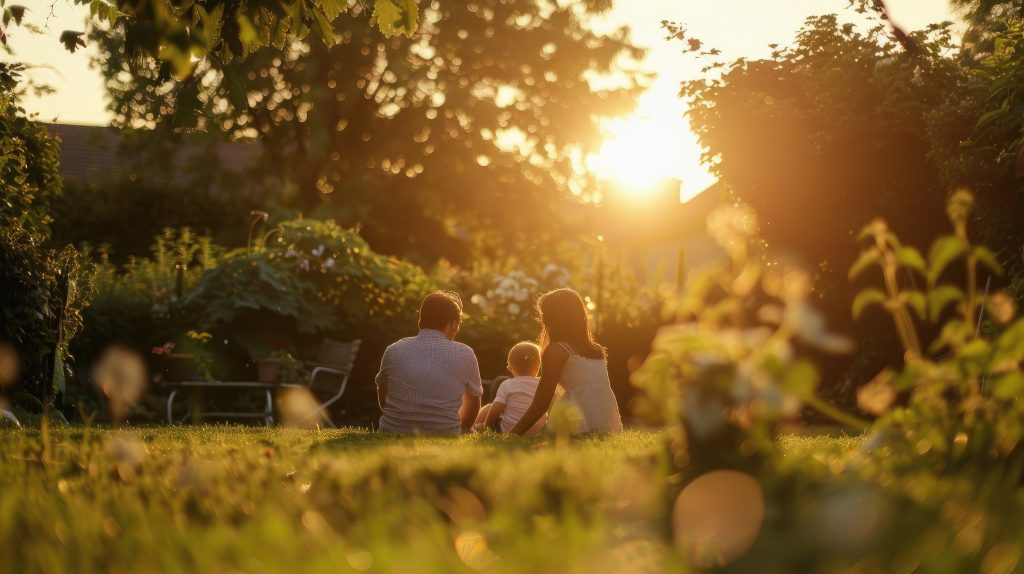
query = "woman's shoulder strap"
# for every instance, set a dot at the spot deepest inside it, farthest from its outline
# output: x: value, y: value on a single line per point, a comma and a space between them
x: 567, y: 348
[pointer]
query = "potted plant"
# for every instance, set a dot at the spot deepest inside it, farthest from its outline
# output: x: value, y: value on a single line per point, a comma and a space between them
x: 175, y: 366
x: 268, y: 369
x: 202, y: 357
x: 281, y: 367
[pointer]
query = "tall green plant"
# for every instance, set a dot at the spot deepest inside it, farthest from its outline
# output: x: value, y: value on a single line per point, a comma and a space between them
x: 730, y: 367
x: 957, y: 400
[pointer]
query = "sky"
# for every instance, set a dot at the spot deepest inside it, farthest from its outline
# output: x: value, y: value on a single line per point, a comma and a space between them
x: 653, y: 143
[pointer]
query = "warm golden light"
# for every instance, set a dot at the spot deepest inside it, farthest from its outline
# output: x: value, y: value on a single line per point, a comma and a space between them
x: 637, y: 156
x: 642, y: 151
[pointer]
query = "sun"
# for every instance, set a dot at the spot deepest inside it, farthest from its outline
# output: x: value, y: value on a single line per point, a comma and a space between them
x: 636, y: 155
x: 641, y: 152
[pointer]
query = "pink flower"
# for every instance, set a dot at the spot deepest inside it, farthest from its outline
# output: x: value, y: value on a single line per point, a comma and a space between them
x: 164, y: 349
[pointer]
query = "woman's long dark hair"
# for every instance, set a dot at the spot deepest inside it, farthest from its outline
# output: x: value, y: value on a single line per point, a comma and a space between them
x: 564, y: 318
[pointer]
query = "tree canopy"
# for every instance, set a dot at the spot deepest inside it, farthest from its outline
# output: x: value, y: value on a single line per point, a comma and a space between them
x: 827, y: 134
x: 478, y: 122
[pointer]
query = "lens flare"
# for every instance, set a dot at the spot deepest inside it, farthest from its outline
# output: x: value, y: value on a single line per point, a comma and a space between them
x: 129, y: 452
x: 121, y: 375
x: 635, y: 557
x: 717, y: 518
x: 472, y: 549
x: 463, y: 508
x: 299, y: 409
x: 10, y: 366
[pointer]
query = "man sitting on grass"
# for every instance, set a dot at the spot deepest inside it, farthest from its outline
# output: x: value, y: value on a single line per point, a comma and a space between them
x: 429, y: 384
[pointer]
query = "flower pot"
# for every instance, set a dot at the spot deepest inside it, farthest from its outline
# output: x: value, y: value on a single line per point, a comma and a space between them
x: 179, y: 367
x: 268, y: 370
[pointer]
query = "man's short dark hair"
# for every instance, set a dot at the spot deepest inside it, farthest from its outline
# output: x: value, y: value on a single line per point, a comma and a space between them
x: 439, y: 309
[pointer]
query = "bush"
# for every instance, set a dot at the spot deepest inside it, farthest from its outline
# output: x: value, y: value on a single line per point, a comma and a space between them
x: 138, y: 304
x: 942, y: 460
x: 303, y: 282
x: 43, y: 290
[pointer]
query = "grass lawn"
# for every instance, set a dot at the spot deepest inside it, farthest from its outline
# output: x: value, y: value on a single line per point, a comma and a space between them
x: 246, y: 499
x: 259, y: 500
x: 230, y: 499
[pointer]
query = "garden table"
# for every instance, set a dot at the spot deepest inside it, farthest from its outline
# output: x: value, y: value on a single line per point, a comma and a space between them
x: 268, y: 411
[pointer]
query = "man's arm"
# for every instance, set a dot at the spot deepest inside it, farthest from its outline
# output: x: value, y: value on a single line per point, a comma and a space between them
x: 474, y: 389
x: 382, y: 389
x: 470, y: 408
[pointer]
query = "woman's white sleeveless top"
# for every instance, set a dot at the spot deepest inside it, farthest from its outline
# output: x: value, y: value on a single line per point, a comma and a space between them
x: 587, y: 386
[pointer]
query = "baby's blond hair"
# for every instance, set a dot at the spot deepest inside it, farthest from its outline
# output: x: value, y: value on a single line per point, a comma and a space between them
x: 524, y: 359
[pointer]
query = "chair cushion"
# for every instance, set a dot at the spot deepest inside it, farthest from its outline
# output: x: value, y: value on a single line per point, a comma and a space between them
x: 338, y: 354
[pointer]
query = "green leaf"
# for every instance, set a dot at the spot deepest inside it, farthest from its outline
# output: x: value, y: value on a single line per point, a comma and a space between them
x: 986, y: 257
x: 867, y: 258
x: 917, y: 301
x: 17, y: 12
x: 940, y: 297
x: 394, y: 17
x: 865, y: 299
x: 332, y: 8
x: 72, y: 40
x: 800, y: 379
x: 911, y: 258
x: 1009, y: 386
x: 987, y: 117
x: 325, y: 28
x: 247, y: 32
x: 943, y: 252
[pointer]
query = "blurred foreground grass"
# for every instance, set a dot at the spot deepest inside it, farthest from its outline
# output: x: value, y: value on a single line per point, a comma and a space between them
x: 244, y: 499
x: 226, y: 499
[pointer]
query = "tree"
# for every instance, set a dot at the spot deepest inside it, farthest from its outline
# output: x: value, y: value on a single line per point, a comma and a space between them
x: 182, y: 33
x: 29, y: 180
x: 826, y: 135
x: 977, y: 137
x: 478, y: 122
x: 821, y: 138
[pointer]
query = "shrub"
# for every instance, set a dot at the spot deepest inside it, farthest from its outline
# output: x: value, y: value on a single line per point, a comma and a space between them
x: 938, y: 477
x: 956, y: 400
x: 303, y: 282
x: 137, y: 304
x: 43, y: 290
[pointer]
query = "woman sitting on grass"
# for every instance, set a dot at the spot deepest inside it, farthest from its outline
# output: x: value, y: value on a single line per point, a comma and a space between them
x: 514, y: 395
x: 573, y: 360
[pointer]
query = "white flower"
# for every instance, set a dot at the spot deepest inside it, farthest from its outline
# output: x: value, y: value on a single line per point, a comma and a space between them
x: 513, y: 308
x: 318, y: 250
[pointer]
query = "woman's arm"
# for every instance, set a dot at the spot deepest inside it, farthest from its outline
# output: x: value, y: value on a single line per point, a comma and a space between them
x: 494, y: 414
x: 552, y: 363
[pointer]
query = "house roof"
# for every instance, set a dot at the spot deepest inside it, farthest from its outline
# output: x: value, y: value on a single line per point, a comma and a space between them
x: 93, y: 153
x: 657, y: 216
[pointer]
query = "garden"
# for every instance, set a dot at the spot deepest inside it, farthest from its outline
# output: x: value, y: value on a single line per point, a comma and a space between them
x: 189, y: 353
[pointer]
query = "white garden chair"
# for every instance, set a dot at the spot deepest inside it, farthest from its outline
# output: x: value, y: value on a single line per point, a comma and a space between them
x: 331, y: 372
